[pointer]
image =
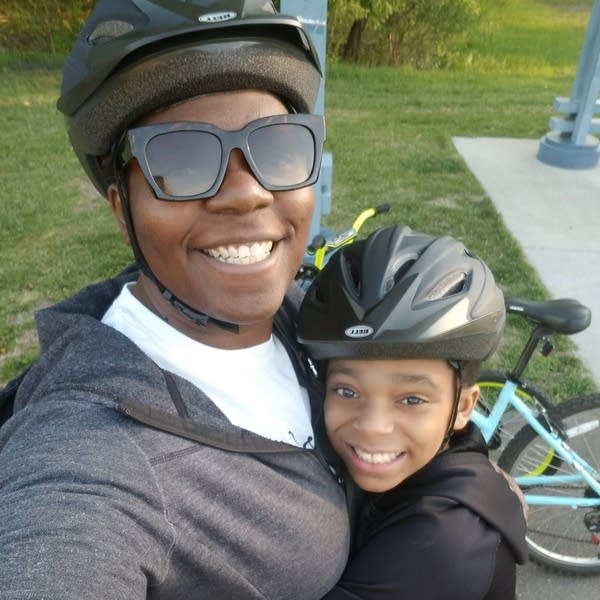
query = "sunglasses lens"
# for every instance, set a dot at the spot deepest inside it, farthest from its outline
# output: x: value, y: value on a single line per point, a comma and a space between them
x: 284, y: 153
x: 184, y: 163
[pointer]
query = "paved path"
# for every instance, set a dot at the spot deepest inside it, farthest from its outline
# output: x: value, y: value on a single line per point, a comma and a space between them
x: 537, y: 583
x: 555, y: 215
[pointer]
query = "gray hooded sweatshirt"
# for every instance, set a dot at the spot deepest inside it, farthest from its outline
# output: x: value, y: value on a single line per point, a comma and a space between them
x: 119, y: 480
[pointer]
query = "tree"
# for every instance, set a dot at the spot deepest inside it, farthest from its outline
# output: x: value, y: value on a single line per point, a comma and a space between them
x: 416, y: 32
x: 347, y: 22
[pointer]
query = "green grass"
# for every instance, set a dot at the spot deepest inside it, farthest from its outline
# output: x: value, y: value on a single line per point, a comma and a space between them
x: 533, y: 38
x: 55, y: 231
x: 390, y: 132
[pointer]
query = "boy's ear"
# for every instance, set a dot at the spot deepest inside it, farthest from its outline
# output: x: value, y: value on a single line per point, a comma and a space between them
x: 116, y: 205
x: 466, y: 404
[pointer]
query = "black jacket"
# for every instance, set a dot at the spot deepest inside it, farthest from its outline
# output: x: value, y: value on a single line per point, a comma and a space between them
x: 453, y: 530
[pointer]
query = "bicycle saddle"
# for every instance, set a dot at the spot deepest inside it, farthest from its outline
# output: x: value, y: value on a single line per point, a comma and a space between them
x: 565, y: 315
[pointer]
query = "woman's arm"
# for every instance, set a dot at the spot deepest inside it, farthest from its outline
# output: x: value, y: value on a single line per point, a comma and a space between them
x: 80, y: 516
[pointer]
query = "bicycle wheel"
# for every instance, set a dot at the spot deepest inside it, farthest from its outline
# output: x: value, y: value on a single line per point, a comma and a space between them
x: 557, y: 536
x: 490, y: 384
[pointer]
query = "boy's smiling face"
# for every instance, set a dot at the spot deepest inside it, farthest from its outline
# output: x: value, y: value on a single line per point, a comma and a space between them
x: 387, y: 418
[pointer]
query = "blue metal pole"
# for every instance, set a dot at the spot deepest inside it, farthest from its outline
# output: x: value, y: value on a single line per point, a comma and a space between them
x: 313, y: 15
x: 571, y: 143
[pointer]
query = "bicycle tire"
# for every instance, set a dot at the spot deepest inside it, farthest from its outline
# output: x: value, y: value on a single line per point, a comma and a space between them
x: 557, y: 536
x: 490, y: 384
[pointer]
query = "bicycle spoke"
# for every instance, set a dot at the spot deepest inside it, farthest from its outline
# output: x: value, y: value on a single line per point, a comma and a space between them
x: 557, y: 535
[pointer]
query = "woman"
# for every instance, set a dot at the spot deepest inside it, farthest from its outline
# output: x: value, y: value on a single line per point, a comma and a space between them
x: 168, y: 443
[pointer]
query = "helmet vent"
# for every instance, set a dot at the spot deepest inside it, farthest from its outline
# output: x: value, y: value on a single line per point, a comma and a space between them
x: 353, y: 270
x: 449, y: 286
x: 399, y: 270
x: 319, y: 295
x: 108, y: 30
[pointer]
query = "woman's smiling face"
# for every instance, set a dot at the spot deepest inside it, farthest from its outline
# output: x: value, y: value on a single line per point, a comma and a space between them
x: 190, y: 245
x: 387, y: 418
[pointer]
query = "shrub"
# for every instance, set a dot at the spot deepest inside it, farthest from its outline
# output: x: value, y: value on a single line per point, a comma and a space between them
x: 421, y: 33
x: 41, y: 25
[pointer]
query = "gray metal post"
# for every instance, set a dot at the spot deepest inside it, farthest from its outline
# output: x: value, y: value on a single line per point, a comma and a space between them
x: 313, y: 15
x: 571, y: 143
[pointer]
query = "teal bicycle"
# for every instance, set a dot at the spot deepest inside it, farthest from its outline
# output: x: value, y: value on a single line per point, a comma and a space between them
x: 551, y: 450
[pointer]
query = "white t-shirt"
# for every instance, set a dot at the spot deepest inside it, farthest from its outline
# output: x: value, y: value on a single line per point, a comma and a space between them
x: 256, y: 388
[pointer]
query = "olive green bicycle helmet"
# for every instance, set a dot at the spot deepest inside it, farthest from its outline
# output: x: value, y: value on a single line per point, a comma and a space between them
x: 135, y: 56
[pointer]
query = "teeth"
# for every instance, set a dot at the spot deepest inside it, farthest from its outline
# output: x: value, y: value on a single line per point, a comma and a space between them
x: 242, y: 254
x: 378, y: 457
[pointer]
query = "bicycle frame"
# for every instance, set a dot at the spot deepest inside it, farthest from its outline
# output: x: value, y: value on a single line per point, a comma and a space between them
x: 488, y: 424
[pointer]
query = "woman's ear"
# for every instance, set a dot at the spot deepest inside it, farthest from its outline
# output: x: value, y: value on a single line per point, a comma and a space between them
x: 116, y: 205
x: 466, y: 404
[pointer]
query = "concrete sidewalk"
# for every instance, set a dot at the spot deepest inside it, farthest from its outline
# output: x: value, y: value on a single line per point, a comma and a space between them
x: 555, y: 216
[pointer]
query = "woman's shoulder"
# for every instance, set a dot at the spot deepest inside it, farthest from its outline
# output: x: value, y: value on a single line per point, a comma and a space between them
x: 80, y: 357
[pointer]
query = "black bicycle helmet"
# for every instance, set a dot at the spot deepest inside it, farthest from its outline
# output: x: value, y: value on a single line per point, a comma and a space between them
x: 403, y: 294
x: 135, y: 56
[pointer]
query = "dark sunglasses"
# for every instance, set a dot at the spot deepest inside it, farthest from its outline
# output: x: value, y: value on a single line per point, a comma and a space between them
x: 187, y: 160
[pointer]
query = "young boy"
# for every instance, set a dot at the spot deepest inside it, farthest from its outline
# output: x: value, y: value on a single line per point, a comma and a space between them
x: 403, y: 321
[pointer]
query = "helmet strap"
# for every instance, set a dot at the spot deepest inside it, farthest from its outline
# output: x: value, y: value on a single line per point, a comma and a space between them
x: 456, y: 367
x: 191, y: 313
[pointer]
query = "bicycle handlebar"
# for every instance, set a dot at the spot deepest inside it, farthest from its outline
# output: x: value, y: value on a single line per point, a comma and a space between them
x: 320, y: 245
x: 367, y: 214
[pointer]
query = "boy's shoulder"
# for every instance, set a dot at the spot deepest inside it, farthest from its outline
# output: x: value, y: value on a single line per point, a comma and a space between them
x: 437, y: 545
x: 440, y: 501
x: 462, y: 476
